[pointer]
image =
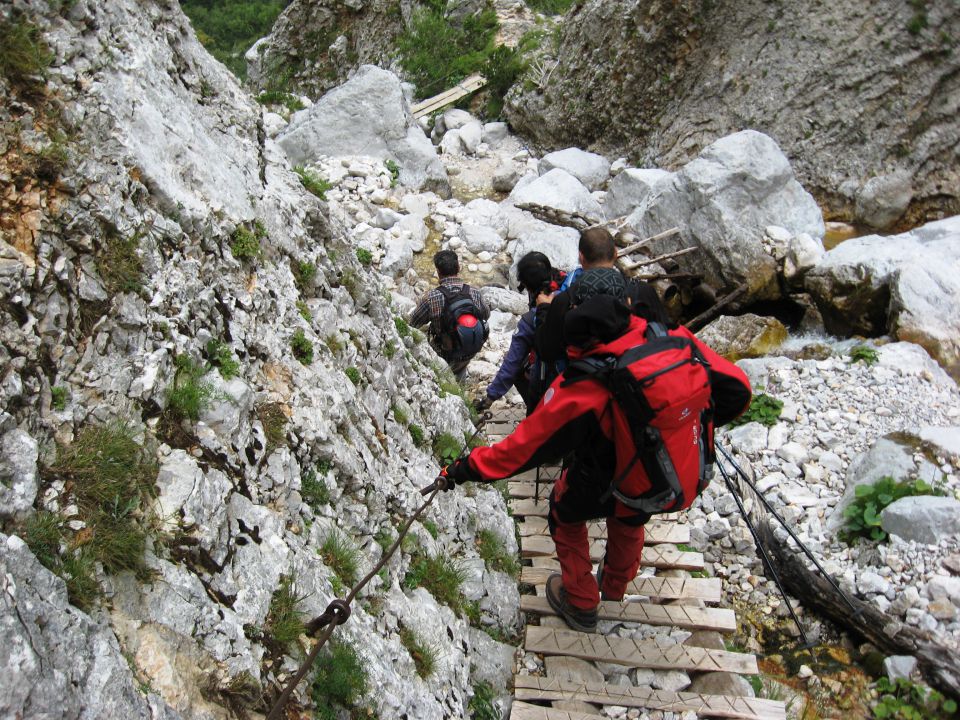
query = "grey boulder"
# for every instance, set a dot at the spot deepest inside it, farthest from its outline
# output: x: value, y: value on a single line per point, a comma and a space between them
x: 589, y: 168
x: 557, y: 190
x: 922, y: 518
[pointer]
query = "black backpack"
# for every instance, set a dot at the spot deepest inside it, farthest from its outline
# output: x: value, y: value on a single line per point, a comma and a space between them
x: 461, y: 333
x: 663, y: 388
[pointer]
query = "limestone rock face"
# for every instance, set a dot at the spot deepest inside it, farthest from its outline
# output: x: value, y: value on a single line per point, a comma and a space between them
x: 629, y: 189
x: 58, y: 662
x: 906, y: 285
x: 367, y: 115
x: 18, y: 473
x: 629, y: 79
x: 722, y: 201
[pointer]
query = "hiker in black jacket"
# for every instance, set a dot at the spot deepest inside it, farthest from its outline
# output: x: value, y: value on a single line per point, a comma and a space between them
x: 456, y: 313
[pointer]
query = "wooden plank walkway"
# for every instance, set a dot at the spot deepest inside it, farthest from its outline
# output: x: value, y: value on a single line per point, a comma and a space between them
x: 527, y: 687
x: 448, y: 97
x: 686, y: 610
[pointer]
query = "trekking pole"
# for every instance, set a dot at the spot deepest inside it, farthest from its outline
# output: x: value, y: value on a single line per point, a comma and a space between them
x: 767, y: 563
x: 783, y: 523
x: 338, y: 610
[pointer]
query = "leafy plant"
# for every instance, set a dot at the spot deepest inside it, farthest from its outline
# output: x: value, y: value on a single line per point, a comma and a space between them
x: 221, y: 357
x: 863, y: 514
x: 446, y: 448
x: 313, y: 182
x: 389, y: 349
x: 340, y: 680
x: 354, y: 375
x: 314, y: 490
x: 303, y: 273
x: 905, y: 700
x: 501, y: 69
x: 245, y: 245
x: 481, y: 705
x: 278, y: 97
x: 59, y: 395
x: 441, y: 576
x: 550, y: 7
x: 865, y: 353
x: 431, y: 527
x: 494, y: 554
x: 50, y: 161
x: 763, y: 409
x: 364, y: 256
x: 424, y: 655
x: 402, y: 328
x: 189, y: 394
x: 340, y: 555
x: 394, y: 171
x: 302, y: 347
x: 399, y: 415
x: 284, y: 619
x: 304, y: 311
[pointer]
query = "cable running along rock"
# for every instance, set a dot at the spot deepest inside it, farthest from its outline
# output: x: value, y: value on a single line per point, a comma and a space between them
x: 338, y: 610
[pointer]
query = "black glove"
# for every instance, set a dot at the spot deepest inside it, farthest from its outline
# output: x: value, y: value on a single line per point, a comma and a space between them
x: 458, y: 472
x: 482, y: 403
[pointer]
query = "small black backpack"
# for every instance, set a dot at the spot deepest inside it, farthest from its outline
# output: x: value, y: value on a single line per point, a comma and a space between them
x: 462, y: 332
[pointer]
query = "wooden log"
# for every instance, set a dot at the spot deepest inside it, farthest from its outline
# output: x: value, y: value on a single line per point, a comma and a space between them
x: 688, y: 617
x: 938, y: 662
x: 631, y: 266
x: 640, y: 243
x: 708, y: 314
x: 663, y: 588
x: 530, y: 687
x: 636, y: 653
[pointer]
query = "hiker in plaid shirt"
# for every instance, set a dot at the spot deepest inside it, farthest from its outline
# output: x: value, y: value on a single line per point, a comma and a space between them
x: 456, y: 349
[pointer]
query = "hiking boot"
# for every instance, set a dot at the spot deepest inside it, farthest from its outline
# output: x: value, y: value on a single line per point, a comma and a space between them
x: 580, y: 620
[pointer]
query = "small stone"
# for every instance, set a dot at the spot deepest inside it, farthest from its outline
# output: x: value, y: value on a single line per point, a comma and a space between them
x: 804, y: 672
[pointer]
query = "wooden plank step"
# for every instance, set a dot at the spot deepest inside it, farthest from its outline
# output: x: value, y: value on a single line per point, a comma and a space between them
x: 528, y: 508
x: 654, y: 533
x: 526, y: 711
x: 447, y: 97
x: 663, y: 588
x: 636, y: 653
x: 681, y: 616
x: 658, y: 556
x: 527, y: 687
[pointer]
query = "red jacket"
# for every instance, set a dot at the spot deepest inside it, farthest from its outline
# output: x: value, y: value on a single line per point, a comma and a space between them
x: 580, y: 422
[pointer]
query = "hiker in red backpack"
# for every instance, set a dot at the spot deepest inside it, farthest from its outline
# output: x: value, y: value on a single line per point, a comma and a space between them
x: 456, y: 313
x: 633, y: 416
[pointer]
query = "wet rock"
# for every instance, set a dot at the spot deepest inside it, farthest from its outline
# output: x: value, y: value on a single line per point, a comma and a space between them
x: 883, y: 199
x: 743, y: 336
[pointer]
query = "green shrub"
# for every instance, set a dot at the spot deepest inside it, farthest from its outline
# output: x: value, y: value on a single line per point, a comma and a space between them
x: 394, y: 171
x: 402, y: 328
x: 303, y: 273
x: 763, y: 409
x: 274, y: 422
x: 302, y: 347
x: 416, y: 432
x: 863, y: 514
x: 364, y: 256
x: 904, y: 700
x: 59, y: 396
x: 917, y: 23
x: 354, y: 375
x: 340, y: 555
x: 245, y: 245
x: 25, y: 56
x: 501, y: 69
x: 50, y: 161
x: 431, y: 527
x: 442, y: 578
x: 221, y: 357
x: 436, y: 53
x: 112, y: 479
x: 494, y: 554
x: 304, y: 311
x: 190, y: 394
x: 227, y: 28
x: 333, y: 343
x: 389, y: 349
x: 314, y: 490
x: 313, y: 182
x: 278, y: 97
x: 550, y: 7
x: 481, y: 705
x: 446, y: 448
x: 399, y: 415
x: 118, y: 263
x: 340, y: 680
x: 284, y: 621
x: 424, y: 656
x: 865, y: 353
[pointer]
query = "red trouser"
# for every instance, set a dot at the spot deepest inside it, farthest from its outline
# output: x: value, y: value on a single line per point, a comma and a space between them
x: 624, y: 545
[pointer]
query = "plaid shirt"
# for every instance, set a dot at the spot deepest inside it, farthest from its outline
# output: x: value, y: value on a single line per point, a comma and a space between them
x: 431, y: 306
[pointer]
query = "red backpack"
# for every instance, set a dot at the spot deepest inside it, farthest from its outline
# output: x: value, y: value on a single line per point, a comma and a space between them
x: 663, y: 388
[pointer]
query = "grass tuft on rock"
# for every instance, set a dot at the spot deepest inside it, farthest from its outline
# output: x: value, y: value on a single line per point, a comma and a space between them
x: 285, y: 620
x: 340, y: 681
x: 341, y: 556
